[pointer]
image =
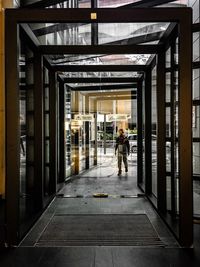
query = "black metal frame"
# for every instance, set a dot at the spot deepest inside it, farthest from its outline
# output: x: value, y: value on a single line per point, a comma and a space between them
x: 15, y: 17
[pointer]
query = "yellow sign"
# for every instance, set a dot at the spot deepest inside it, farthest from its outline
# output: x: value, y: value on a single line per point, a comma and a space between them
x: 93, y: 16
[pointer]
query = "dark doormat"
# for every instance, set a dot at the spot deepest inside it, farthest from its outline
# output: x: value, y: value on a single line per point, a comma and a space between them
x: 100, y: 230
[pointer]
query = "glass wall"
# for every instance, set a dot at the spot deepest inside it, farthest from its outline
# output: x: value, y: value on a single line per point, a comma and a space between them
x: 154, y: 132
x: 96, y: 119
x: 196, y: 109
x: 172, y: 133
x: 68, y: 131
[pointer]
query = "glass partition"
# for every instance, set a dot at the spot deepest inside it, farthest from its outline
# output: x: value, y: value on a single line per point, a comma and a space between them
x: 154, y: 132
x: 103, y: 33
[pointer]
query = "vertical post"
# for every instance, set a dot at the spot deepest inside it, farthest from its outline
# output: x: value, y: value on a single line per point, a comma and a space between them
x: 161, y: 134
x: 62, y: 144
x: 139, y: 134
x: 38, y: 131
x: 2, y: 108
x: 94, y: 3
x: 185, y: 130
x: 94, y: 27
x: 75, y: 133
x: 132, y: 110
x: 104, y: 134
x: 147, y: 134
x: 12, y: 129
x: 87, y: 135
x: 172, y: 124
x: 76, y: 136
x: 53, y: 131
x: 95, y: 132
x: 114, y: 122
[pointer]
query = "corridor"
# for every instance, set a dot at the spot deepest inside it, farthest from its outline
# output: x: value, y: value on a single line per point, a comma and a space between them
x: 103, y: 178
x: 80, y: 78
x: 46, y: 243
x: 120, y: 216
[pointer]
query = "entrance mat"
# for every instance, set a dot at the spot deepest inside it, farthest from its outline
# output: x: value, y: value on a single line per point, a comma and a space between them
x: 100, y: 230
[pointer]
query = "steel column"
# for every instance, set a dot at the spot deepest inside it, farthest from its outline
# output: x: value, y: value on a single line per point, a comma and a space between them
x: 161, y: 134
x: 76, y: 137
x: 185, y: 131
x: 104, y: 135
x: 12, y: 130
x: 172, y: 124
x: 147, y: 133
x: 139, y: 135
x: 38, y: 132
x: 94, y: 26
x: 87, y: 135
x: 95, y: 132
x: 53, y: 131
x: 61, y: 141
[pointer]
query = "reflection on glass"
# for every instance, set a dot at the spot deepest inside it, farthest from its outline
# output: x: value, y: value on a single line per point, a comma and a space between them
x: 116, y: 3
x: 168, y: 122
x: 125, y: 59
x: 176, y: 168
x: 168, y: 86
x: 101, y: 74
x: 176, y: 56
x: 168, y: 185
x: 22, y: 146
x: 154, y: 131
x: 143, y: 137
x: 68, y: 131
x: 196, y: 197
x: 196, y: 46
x: 62, y: 33
x: 196, y: 84
x: 84, y: 3
x: 168, y: 58
x: 196, y: 121
x: 106, y: 33
x: 196, y: 158
x: 128, y: 33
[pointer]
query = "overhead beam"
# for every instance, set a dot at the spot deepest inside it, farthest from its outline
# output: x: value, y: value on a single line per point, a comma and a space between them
x: 28, y: 36
x: 196, y: 65
x: 196, y: 27
x: 101, y: 80
x: 62, y: 59
x: 105, y: 87
x: 100, y: 49
x: 114, y: 98
x: 168, y: 32
x: 170, y: 35
x: 104, y: 15
x: 125, y: 93
x: 99, y: 68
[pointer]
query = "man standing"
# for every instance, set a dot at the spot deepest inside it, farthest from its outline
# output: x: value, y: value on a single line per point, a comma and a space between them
x: 123, y: 148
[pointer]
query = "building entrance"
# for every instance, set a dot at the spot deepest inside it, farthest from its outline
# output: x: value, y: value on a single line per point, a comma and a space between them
x: 68, y: 125
x: 92, y: 131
